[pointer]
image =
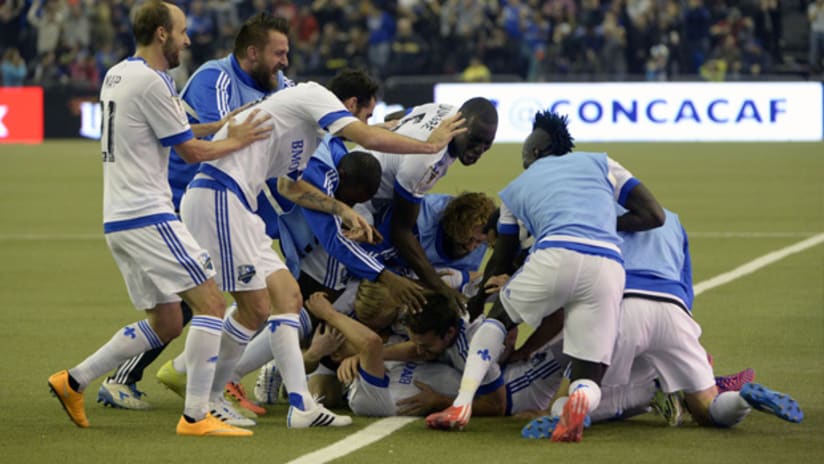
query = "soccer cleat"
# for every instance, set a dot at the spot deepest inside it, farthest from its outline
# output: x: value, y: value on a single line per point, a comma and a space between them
x: 121, y: 396
x: 773, y: 402
x: 210, y: 426
x: 71, y: 400
x: 237, y: 393
x: 570, y: 427
x: 734, y: 382
x: 224, y: 410
x: 542, y: 427
x: 670, y: 407
x: 451, y: 418
x: 172, y: 379
x: 318, y: 417
x: 268, y: 384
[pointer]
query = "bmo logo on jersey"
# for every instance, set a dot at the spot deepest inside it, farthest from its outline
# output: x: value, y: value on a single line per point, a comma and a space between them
x: 21, y: 115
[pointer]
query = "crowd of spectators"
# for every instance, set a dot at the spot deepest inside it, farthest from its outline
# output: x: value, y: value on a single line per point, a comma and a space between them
x: 75, y: 41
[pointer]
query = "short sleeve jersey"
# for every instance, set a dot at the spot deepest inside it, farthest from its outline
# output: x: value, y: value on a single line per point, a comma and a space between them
x: 142, y: 118
x: 300, y: 116
x: 411, y: 176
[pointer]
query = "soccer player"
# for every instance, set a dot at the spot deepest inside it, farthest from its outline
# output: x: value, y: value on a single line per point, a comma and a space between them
x: 659, y: 338
x: 566, y: 203
x: 160, y: 261
x: 218, y: 208
x: 407, y: 178
x: 253, y: 70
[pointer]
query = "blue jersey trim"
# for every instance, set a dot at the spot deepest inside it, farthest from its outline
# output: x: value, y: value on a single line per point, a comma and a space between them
x: 581, y: 248
x: 625, y: 189
x: 136, y: 223
x: 508, y: 229
x: 225, y: 180
x: 372, y: 380
x: 407, y: 195
x: 491, y: 386
x: 177, y: 138
x: 646, y: 282
x: 329, y: 118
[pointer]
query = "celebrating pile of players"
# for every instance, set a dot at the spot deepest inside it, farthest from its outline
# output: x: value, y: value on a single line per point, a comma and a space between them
x: 375, y: 300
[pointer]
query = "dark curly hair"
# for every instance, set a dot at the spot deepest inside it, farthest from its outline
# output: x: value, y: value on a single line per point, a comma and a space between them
x: 555, y: 125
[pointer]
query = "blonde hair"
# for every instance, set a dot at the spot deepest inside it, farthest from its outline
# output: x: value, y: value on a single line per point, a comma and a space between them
x: 465, y: 212
x: 372, y: 302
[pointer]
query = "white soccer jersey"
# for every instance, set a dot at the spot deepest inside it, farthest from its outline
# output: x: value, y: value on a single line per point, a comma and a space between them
x: 142, y: 118
x: 412, y: 176
x: 298, y: 114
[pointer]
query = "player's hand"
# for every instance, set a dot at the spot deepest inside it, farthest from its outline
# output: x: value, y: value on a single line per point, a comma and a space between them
x: 495, y: 283
x: 325, y: 341
x: 423, y: 403
x: 455, y: 299
x: 356, y: 224
x: 360, y: 235
x: 348, y: 370
x: 251, y: 129
x: 405, y: 291
x: 230, y: 115
x: 318, y: 304
x: 446, y: 130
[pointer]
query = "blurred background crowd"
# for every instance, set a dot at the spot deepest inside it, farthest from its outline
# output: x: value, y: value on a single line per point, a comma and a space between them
x: 60, y: 42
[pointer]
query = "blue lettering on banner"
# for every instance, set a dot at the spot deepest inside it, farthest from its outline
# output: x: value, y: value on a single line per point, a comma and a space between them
x: 658, y: 111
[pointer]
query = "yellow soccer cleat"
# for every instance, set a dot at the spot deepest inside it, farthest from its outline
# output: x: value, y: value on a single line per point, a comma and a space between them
x: 71, y: 400
x: 210, y: 426
x: 172, y: 379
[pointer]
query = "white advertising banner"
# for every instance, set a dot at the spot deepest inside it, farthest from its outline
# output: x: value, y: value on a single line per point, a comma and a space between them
x: 608, y: 112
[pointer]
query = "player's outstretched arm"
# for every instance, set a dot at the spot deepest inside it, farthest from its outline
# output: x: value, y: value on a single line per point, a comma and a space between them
x: 240, y: 135
x: 429, y: 401
x: 644, y: 211
x: 206, y: 129
x: 367, y: 343
x: 304, y: 194
x: 380, y: 139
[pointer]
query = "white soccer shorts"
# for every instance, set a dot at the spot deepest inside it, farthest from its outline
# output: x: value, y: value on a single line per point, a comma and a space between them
x: 370, y: 396
x: 158, y: 262
x: 531, y: 383
x: 234, y: 236
x: 660, y: 336
x: 589, y: 289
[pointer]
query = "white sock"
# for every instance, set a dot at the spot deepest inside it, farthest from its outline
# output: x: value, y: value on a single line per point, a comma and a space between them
x: 129, y: 341
x: 558, y: 406
x: 257, y: 353
x: 283, y: 339
x: 179, y: 363
x: 588, y: 388
x: 232, y: 343
x: 728, y: 409
x: 618, y: 400
x: 201, y: 351
x: 484, y: 349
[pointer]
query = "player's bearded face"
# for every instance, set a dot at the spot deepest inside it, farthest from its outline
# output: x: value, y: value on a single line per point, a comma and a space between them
x: 263, y: 76
x: 171, y: 51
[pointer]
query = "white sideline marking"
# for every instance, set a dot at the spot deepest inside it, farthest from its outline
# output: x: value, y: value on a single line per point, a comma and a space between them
x: 366, y: 436
x: 756, y: 264
x: 384, y: 427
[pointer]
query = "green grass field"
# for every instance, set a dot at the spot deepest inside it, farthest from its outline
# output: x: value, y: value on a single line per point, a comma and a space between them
x: 63, y: 297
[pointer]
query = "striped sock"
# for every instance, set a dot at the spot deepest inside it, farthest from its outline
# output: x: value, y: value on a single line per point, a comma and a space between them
x: 202, y: 346
x: 131, y: 340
